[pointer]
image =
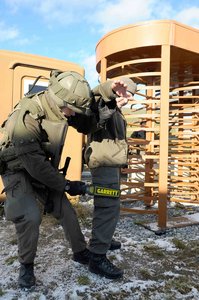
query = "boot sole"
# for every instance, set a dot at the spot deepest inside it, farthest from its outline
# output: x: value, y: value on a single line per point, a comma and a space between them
x: 26, y: 287
x: 114, y: 248
x: 81, y: 262
x: 105, y: 275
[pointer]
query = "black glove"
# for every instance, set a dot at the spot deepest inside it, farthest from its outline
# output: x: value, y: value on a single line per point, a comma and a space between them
x: 106, y: 110
x: 75, y: 188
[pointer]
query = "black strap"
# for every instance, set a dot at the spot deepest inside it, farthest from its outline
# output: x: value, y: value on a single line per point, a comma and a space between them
x: 34, y: 83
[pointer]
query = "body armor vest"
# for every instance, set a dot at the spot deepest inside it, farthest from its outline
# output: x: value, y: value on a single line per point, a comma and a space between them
x: 53, y: 127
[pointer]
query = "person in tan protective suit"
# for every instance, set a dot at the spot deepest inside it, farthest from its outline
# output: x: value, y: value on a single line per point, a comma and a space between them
x: 34, y: 135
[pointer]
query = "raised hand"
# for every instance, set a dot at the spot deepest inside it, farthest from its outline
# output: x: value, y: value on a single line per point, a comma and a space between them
x: 120, y: 88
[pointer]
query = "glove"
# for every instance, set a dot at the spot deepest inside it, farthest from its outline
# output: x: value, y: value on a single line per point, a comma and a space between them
x: 74, y: 188
x: 105, y: 112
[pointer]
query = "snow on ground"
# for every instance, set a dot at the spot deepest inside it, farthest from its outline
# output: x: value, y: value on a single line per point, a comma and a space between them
x: 157, y: 267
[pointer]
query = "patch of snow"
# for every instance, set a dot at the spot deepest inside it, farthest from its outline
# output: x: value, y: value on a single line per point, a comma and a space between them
x: 59, y: 277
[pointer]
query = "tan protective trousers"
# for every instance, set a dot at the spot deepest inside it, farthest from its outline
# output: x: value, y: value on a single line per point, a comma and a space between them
x: 24, y: 210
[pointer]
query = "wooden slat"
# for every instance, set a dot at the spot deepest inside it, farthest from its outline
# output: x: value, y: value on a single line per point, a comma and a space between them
x: 189, y: 193
x: 183, y: 178
x: 139, y: 210
x: 184, y: 201
x: 130, y: 197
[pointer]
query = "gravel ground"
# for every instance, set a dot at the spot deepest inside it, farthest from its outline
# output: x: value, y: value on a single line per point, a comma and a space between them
x: 157, y: 267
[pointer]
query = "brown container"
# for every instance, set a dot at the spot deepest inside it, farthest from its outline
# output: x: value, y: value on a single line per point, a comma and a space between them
x: 17, y: 72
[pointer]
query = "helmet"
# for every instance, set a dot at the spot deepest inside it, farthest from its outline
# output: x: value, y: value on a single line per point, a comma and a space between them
x: 70, y: 89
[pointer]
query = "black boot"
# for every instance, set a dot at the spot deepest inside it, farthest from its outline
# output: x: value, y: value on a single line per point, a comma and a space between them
x: 115, y: 245
x: 99, y: 264
x: 26, y: 276
x: 82, y: 257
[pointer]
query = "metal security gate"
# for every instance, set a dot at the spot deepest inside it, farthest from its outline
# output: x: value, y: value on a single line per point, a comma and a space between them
x: 165, y: 65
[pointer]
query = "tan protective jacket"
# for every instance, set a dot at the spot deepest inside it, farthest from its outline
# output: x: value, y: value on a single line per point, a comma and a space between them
x: 29, y: 147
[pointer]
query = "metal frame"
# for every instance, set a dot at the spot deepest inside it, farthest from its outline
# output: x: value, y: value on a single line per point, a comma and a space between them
x: 163, y: 58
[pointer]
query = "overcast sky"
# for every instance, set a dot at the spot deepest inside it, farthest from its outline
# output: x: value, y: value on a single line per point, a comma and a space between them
x: 70, y: 30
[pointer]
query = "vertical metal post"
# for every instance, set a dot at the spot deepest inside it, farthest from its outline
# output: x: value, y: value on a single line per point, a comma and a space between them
x: 103, y: 70
x: 164, y: 127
